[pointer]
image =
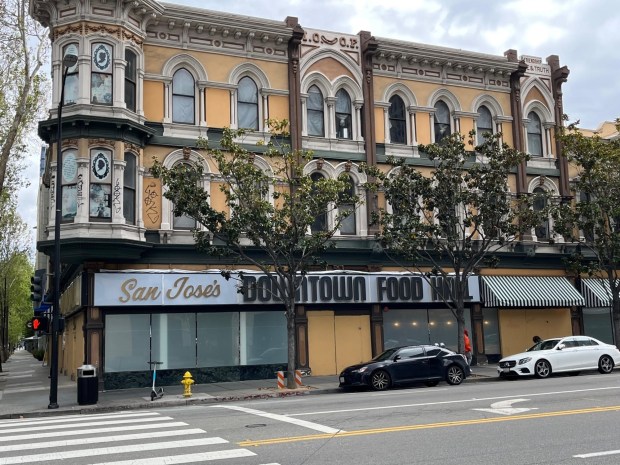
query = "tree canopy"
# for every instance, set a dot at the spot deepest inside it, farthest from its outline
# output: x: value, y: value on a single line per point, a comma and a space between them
x: 449, y: 222
x: 273, y: 213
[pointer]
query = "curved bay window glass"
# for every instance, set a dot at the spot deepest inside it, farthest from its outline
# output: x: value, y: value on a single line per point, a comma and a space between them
x: 441, y: 121
x: 183, y: 96
x: 100, y: 204
x: 343, y: 115
x: 484, y: 124
x: 534, y: 135
x: 315, y: 109
x: 398, y: 122
x: 130, y: 80
x: 72, y: 82
x: 347, y: 226
x: 320, y: 222
x: 129, y: 189
x: 101, y: 74
x: 540, y: 203
x: 69, y: 185
x: 247, y: 104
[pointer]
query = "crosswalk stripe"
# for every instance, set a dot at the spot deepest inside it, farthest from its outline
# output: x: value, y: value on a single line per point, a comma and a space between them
x: 92, y: 423
x: 76, y: 418
x: 187, y: 458
x: 113, y: 429
x: 64, y: 455
x: 99, y: 440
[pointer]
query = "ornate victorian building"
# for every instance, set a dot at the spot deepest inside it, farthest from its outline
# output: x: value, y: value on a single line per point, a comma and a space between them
x: 151, y: 78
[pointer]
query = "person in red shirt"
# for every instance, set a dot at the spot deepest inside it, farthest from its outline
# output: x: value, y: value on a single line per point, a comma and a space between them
x: 468, y: 353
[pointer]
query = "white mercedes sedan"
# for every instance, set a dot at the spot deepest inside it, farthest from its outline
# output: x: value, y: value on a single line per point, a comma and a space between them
x: 561, y: 355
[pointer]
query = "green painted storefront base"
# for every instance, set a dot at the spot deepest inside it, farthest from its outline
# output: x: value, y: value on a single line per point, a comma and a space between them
x: 139, y: 379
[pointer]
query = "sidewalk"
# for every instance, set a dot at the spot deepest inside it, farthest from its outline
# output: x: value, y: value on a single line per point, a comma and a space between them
x: 24, y: 391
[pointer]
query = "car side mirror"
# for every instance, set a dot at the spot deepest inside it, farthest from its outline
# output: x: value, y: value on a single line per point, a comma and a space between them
x: 561, y: 346
x: 397, y: 358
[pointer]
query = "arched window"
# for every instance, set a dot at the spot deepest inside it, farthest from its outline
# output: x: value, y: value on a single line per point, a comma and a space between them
x: 69, y: 181
x: 130, y: 80
x: 72, y: 87
x: 320, y: 222
x: 484, y: 124
x: 183, y: 221
x: 247, y: 104
x: 442, y: 121
x: 539, y: 204
x: 100, y: 206
x: 343, y: 115
x: 315, y: 109
x: 534, y: 135
x: 183, y: 96
x: 398, y: 121
x: 347, y: 226
x: 129, y: 188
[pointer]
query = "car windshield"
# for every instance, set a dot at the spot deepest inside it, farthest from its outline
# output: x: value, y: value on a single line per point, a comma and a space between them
x: 385, y: 355
x: 544, y: 345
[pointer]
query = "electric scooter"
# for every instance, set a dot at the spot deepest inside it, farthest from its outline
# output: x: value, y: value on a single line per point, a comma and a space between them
x: 156, y: 393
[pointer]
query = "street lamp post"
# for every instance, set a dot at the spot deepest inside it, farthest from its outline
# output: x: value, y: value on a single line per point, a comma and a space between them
x: 68, y: 62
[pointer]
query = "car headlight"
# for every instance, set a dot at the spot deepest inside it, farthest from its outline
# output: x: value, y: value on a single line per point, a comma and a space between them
x: 524, y: 360
x: 361, y: 370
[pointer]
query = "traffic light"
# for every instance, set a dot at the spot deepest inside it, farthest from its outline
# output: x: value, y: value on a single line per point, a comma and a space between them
x: 39, y: 323
x: 37, y: 287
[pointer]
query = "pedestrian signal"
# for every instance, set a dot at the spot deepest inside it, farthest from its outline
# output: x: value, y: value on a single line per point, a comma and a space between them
x: 39, y: 323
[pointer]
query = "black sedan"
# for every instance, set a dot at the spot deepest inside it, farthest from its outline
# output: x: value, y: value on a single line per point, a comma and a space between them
x: 409, y: 364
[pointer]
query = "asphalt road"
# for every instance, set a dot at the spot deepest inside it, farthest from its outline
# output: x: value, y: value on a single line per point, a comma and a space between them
x: 561, y: 420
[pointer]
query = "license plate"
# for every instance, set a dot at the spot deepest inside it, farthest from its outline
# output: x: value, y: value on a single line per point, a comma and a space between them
x: 342, y: 379
x: 506, y: 370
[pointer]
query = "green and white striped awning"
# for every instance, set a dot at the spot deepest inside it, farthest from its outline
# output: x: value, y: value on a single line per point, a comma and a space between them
x: 529, y: 291
x: 596, y: 292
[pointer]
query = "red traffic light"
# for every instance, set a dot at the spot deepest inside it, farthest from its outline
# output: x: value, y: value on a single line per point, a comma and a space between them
x: 39, y: 323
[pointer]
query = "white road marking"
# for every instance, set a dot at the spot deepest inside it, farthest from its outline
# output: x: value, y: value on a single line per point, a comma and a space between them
x: 597, y: 454
x: 446, y: 402
x: 20, y: 376
x: 505, y: 407
x: 101, y: 439
x: 284, y: 418
x: 187, y: 458
x: 79, y: 432
x: 91, y: 423
x: 64, y: 455
x: 75, y: 419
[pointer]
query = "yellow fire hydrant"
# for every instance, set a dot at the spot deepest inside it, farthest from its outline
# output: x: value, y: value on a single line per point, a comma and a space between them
x: 187, y: 384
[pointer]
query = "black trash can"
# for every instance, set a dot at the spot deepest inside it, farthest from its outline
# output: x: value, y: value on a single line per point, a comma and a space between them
x: 88, y: 383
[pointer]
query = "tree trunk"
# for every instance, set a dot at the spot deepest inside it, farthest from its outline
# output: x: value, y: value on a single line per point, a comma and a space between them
x: 290, y: 330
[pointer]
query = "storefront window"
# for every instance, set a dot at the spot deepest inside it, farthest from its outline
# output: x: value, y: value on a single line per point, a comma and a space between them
x: 174, y: 340
x: 421, y: 326
x: 127, y: 343
x: 491, y: 334
x: 597, y: 323
x: 218, y: 339
x: 263, y: 338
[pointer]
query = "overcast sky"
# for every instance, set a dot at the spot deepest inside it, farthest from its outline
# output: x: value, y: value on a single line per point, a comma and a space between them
x: 585, y: 34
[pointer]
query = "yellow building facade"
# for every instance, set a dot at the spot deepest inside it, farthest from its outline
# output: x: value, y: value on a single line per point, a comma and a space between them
x: 153, y: 78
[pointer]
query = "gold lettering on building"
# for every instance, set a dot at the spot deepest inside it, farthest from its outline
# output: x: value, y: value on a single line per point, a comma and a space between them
x: 181, y: 288
x: 131, y: 291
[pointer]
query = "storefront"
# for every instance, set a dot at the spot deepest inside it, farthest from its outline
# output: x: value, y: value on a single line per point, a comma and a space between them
x: 516, y: 308
x: 597, y: 311
x: 224, y: 330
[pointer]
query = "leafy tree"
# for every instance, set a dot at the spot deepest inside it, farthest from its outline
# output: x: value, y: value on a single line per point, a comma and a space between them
x: 594, y: 219
x: 453, y: 219
x: 270, y: 217
x: 15, y: 272
x: 23, y: 50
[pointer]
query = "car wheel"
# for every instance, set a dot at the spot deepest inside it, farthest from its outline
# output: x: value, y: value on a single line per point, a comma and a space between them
x: 455, y: 375
x: 605, y: 364
x: 432, y: 383
x: 542, y: 369
x: 380, y: 380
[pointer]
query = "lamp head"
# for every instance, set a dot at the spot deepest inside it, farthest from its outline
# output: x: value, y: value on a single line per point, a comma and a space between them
x: 69, y: 60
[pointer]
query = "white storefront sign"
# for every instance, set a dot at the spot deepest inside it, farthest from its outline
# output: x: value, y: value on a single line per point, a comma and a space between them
x: 172, y: 289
